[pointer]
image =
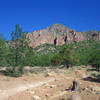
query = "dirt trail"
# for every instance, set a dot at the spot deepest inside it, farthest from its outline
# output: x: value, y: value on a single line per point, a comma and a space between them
x: 4, y: 94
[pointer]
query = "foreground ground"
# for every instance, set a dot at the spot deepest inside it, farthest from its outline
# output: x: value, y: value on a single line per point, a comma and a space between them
x: 49, y: 84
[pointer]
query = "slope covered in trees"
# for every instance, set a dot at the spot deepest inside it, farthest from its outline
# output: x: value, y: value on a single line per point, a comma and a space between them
x: 17, y: 53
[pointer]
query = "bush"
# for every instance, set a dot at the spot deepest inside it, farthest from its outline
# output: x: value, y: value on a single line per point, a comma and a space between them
x: 15, y: 72
x: 56, y: 59
x: 95, y: 74
x: 28, y: 59
x: 66, y: 56
x: 3, y: 52
x: 94, y: 59
x: 44, y: 60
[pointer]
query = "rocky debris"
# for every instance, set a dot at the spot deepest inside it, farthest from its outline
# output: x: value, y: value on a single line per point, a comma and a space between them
x: 45, y: 74
x: 52, y: 86
x: 49, y: 86
x: 36, y: 98
x: 74, y: 97
x: 52, y: 74
x: 47, y: 96
x: 31, y: 91
x: 46, y: 84
x: 93, y: 89
x: 57, y: 95
x: 92, y: 34
x: 80, y: 74
x: 96, y: 89
x: 28, y: 69
x: 61, y: 66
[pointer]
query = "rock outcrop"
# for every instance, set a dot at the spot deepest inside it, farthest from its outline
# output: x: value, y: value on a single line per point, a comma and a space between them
x: 56, y: 34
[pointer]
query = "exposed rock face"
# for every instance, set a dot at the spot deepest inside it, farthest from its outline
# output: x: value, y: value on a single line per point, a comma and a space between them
x: 56, y: 34
x: 92, y: 34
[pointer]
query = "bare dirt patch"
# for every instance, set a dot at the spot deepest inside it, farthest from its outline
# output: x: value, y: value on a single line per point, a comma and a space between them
x: 54, y: 84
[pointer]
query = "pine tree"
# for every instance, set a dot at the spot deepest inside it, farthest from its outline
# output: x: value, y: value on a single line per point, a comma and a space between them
x: 3, y: 50
x: 16, y: 54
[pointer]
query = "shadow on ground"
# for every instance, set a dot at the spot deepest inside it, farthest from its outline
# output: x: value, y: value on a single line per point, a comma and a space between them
x: 92, y: 79
x: 3, y: 72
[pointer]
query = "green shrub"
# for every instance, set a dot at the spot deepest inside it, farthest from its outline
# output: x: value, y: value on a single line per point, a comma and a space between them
x: 94, y: 59
x: 4, y: 50
x: 66, y: 56
x: 69, y: 56
x: 15, y: 72
x: 94, y: 74
x: 44, y: 60
x: 56, y: 59
x: 28, y: 59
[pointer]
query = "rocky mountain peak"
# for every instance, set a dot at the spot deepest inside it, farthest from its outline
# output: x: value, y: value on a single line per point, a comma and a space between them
x: 56, y: 34
x: 58, y: 29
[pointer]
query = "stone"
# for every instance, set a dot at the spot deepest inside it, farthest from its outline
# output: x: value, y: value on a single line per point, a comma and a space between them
x: 36, y: 98
x: 27, y: 70
x: 46, y: 84
x: 52, y: 86
x: 45, y: 74
x: 31, y: 92
x: 94, y: 88
x: 52, y: 74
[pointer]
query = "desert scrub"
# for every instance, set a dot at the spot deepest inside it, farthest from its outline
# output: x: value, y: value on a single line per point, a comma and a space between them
x: 94, y: 74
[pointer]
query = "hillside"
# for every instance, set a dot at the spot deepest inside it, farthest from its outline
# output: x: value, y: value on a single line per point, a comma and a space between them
x: 59, y: 34
x: 48, y: 69
x: 56, y: 34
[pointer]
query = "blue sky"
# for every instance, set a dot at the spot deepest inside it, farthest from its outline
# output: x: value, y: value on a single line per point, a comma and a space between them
x: 81, y: 15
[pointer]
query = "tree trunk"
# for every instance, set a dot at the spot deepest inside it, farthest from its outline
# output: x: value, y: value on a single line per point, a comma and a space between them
x: 76, y: 86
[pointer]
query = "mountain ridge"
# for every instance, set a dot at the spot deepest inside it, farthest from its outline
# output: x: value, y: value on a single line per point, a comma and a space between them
x: 59, y: 34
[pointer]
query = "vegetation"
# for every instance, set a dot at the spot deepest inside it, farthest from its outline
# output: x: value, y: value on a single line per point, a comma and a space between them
x: 16, y: 54
x: 16, y: 51
x: 3, y: 51
x: 66, y: 56
x: 94, y: 59
x: 94, y: 74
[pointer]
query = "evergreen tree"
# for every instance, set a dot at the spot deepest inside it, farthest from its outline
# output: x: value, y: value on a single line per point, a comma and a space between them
x: 3, y: 51
x: 16, y: 55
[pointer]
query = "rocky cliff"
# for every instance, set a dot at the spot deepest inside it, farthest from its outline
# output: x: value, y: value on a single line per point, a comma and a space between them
x: 56, y: 34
